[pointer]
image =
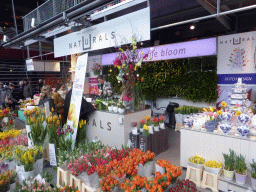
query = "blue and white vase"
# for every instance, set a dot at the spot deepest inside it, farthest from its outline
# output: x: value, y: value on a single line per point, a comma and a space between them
x: 188, y: 122
x: 225, y: 127
x: 226, y: 116
x: 243, y: 118
x: 210, y: 125
x: 243, y: 130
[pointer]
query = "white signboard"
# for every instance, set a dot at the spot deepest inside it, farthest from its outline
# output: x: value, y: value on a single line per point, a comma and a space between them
x: 111, y: 33
x: 52, y: 155
x: 77, y: 93
x: 237, y: 58
x: 30, y: 65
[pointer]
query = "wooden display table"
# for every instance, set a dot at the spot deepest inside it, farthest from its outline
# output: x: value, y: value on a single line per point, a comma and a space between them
x: 113, y: 128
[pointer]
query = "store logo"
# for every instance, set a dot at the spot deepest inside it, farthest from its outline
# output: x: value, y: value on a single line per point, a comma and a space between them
x: 236, y: 41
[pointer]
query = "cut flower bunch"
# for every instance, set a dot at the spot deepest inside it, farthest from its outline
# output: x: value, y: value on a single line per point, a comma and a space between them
x: 213, y: 164
x: 197, y: 160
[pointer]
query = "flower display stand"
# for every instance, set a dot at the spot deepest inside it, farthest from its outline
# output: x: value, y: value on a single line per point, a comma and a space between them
x: 195, y: 175
x: 134, y: 141
x: 75, y: 182
x: 86, y: 188
x: 145, y: 142
x: 62, y: 177
x: 210, y: 181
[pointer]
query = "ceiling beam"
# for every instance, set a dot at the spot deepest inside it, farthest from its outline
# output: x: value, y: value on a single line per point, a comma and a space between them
x: 222, y: 19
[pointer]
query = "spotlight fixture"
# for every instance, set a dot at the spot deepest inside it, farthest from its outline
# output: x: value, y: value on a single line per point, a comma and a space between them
x: 5, y: 38
x: 88, y: 18
x: 192, y: 27
x: 33, y: 21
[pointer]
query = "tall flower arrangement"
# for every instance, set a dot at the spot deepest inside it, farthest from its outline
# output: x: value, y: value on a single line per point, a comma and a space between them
x: 128, y: 63
x: 53, y: 122
x: 96, y: 68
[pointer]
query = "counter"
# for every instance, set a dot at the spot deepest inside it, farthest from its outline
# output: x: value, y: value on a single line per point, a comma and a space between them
x: 211, y: 146
x: 113, y: 128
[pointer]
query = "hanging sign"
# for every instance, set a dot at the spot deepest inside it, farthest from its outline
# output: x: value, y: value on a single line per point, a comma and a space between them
x: 111, y: 33
x: 30, y: 65
x: 77, y: 93
x: 196, y: 48
x: 237, y: 58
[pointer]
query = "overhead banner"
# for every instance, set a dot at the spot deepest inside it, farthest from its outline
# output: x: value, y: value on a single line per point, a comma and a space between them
x: 196, y: 48
x: 77, y: 93
x: 237, y: 58
x: 94, y: 66
x: 111, y: 33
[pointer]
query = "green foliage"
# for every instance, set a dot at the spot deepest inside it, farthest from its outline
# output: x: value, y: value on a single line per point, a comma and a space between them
x: 193, y: 79
x: 253, y: 172
x: 240, y: 165
x: 229, y: 163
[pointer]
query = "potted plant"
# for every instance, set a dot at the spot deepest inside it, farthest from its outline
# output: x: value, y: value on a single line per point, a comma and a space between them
x: 197, y: 162
x: 253, y: 175
x: 121, y: 108
x: 149, y: 124
x: 229, y: 165
x: 240, y: 167
x: 213, y: 167
x: 212, y: 123
x: 115, y: 107
x: 156, y: 123
x: 110, y: 106
x: 134, y: 128
x: 142, y: 123
x: 161, y: 122
x: 96, y: 68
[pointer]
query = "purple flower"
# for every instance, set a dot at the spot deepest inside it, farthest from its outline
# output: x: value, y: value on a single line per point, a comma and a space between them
x: 62, y: 132
x: 68, y: 126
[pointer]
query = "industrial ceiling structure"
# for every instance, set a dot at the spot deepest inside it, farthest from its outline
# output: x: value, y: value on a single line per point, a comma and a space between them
x: 171, y: 20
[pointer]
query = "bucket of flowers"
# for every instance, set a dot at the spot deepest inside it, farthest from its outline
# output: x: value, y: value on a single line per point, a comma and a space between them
x: 96, y: 68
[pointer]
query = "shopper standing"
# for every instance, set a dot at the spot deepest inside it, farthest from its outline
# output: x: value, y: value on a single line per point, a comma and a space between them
x: 46, y: 96
x: 2, y: 95
x: 39, y: 86
x: 10, y: 97
x: 59, y: 98
x: 27, y: 91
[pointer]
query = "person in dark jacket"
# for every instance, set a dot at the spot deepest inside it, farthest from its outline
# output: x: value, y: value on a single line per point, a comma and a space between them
x: 2, y: 95
x: 86, y: 108
x: 10, y: 97
x: 27, y: 91
x: 46, y: 95
x: 21, y: 88
x: 39, y: 86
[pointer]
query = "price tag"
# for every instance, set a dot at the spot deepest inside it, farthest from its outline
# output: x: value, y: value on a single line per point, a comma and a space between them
x: 52, y: 155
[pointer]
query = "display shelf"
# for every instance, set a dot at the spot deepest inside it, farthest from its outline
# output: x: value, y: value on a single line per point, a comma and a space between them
x: 225, y: 185
x: 211, y: 146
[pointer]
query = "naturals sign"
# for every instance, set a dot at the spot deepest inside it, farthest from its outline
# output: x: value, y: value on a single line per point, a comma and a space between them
x: 237, y: 58
x: 173, y: 51
x: 107, y: 34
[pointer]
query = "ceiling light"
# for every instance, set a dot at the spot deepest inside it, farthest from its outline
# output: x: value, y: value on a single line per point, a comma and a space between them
x: 5, y: 38
x: 192, y: 27
x: 33, y: 21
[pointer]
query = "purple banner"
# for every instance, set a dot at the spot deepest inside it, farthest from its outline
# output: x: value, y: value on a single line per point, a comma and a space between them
x: 196, y: 48
x: 248, y: 78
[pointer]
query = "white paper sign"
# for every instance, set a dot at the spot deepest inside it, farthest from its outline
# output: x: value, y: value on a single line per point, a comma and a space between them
x: 77, y: 94
x: 30, y: 142
x: 30, y: 65
x: 111, y: 33
x: 52, y: 155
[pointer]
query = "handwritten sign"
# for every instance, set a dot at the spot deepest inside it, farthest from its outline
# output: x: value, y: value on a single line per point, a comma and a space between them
x: 47, y: 108
x: 52, y: 155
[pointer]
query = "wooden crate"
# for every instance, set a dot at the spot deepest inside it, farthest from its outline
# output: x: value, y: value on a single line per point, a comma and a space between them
x: 86, y: 188
x: 75, y: 182
x: 62, y: 177
x: 195, y: 175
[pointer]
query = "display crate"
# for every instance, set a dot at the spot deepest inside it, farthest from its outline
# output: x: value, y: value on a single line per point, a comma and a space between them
x: 63, y: 177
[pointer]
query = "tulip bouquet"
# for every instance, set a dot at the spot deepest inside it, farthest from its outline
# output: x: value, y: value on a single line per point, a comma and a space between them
x: 36, y: 186
x: 19, y: 140
x: 145, y: 130
x: 6, y: 153
x: 4, y: 181
x: 155, y: 121
x: 53, y: 124
x: 148, y: 120
x: 64, y: 142
x: 6, y: 112
x: 136, y: 184
x: 184, y: 186
x: 142, y: 122
x: 108, y: 183
x: 81, y: 132
x: 9, y: 134
x: 25, y: 157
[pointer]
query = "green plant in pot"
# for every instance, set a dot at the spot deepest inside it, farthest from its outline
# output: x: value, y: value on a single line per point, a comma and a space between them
x: 121, y: 108
x: 229, y: 165
x: 241, y: 168
x: 115, y: 107
x: 253, y: 174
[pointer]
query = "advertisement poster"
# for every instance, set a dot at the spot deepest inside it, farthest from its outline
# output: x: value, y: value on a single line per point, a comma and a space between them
x: 77, y: 93
x: 94, y: 69
x: 237, y: 58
